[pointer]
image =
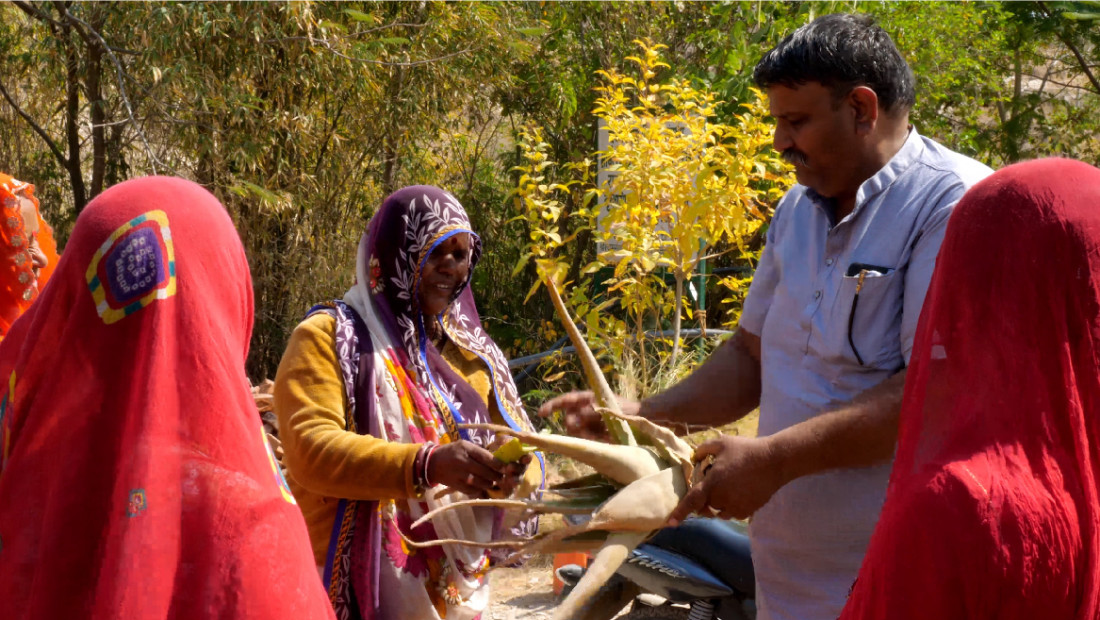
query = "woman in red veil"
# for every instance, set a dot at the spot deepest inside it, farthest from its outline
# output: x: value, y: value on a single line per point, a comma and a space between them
x: 135, y: 478
x: 28, y: 252
x: 992, y: 509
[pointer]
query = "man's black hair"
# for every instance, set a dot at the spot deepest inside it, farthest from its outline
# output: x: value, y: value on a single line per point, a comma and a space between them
x: 841, y: 51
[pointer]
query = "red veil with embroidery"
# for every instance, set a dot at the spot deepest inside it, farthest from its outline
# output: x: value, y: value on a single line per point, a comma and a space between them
x: 992, y: 509
x: 136, y: 480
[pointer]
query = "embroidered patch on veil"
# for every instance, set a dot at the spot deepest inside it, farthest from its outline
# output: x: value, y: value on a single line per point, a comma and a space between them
x: 134, y: 267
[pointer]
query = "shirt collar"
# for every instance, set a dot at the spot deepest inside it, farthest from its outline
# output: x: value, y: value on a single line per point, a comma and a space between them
x: 907, y: 155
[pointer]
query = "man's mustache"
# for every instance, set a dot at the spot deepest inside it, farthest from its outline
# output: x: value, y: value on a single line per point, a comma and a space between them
x: 794, y: 156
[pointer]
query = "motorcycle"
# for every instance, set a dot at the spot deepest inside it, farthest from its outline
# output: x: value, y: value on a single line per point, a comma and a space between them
x: 699, y: 570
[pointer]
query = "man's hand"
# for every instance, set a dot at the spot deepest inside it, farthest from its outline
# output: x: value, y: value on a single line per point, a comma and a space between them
x: 742, y: 477
x: 579, y: 414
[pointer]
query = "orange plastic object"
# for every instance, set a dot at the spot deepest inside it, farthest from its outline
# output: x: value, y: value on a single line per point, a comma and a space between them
x: 580, y: 558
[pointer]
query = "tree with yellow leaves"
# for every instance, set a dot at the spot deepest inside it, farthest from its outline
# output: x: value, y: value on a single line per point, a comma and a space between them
x: 682, y: 182
x: 680, y: 185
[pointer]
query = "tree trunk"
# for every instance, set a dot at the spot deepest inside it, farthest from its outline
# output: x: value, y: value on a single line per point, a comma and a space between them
x: 643, y: 376
x: 72, y: 119
x: 389, y: 169
x: 116, y: 169
x: 582, y: 248
x: 679, y: 308
x: 94, y: 71
x: 390, y: 142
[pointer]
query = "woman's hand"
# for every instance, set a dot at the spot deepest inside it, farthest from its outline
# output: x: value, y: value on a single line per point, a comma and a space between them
x: 38, y: 257
x: 469, y: 468
x: 512, y: 476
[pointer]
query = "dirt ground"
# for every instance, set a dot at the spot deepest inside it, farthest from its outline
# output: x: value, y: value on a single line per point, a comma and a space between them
x: 525, y: 593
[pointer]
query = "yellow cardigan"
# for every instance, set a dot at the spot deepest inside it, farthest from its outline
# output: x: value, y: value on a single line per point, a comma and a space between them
x: 323, y: 460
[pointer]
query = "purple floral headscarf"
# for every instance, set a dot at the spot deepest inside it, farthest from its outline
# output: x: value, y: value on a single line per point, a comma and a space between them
x: 401, y: 236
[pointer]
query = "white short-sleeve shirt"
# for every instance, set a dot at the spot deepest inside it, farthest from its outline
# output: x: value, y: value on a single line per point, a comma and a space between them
x: 820, y: 347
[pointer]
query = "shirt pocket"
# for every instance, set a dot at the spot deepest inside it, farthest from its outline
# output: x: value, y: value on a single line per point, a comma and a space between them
x: 871, y: 319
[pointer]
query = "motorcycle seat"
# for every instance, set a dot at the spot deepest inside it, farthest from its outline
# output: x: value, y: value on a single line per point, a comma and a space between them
x: 719, y: 546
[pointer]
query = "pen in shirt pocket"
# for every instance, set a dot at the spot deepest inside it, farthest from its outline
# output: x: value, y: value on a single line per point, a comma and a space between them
x: 860, y: 271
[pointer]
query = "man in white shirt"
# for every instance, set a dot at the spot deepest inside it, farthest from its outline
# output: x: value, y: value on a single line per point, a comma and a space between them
x: 828, y: 323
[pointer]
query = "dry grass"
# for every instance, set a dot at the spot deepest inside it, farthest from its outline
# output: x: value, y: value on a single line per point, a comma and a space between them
x: 745, y: 427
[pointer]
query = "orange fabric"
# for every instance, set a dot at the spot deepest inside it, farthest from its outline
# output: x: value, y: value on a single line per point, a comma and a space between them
x: 19, y: 286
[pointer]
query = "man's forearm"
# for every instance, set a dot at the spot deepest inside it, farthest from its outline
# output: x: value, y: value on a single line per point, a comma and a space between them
x: 722, y: 390
x: 860, y: 434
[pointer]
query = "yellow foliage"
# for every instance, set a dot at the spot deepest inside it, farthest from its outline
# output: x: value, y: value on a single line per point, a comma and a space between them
x: 682, y: 184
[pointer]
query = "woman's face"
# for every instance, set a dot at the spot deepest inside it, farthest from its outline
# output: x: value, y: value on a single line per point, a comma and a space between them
x: 446, y: 268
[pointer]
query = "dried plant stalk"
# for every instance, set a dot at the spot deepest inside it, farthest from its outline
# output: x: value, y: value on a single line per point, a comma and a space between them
x: 623, y: 464
x: 641, y: 507
x: 619, y: 430
x: 671, y: 447
x: 606, y: 561
x: 653, y: 482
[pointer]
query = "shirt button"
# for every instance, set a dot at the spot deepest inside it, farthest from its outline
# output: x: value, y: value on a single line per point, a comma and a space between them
x: 817, y: 294
x: 828, y: 262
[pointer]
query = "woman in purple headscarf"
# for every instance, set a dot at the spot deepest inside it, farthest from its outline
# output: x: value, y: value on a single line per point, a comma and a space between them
x: 369, y: 396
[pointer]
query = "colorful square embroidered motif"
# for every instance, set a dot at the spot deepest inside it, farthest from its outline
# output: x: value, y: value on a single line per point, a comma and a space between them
x: 134, y: 267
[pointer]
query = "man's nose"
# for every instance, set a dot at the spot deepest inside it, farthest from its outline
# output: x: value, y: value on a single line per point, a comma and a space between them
x: 781, y: 139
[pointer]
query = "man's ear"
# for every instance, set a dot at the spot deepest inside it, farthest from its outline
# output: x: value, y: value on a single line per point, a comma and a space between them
x: 864, y: 105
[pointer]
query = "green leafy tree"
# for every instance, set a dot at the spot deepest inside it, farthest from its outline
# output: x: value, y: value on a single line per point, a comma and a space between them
x: 299, y: 116
x: 1002, y: 81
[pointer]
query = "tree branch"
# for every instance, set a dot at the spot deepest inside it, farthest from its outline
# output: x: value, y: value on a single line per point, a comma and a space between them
x: 37, y: 129
x: 478, y: 150
x: 357, y: 33
x: 713, y: 256
x: 122, y: 50
x: 36, y: 13
x: 121, y: 85
x: 328, y: 45
x: 328, y: 136
x: 1081, y: 61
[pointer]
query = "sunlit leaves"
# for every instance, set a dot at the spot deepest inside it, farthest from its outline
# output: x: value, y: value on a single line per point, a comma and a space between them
x: 686, y: 182
x: 682, y: 182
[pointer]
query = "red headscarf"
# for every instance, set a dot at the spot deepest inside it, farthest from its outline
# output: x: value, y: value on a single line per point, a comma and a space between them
x: 992, y: 509
x: 137, y: 482
x: 19, y: 285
